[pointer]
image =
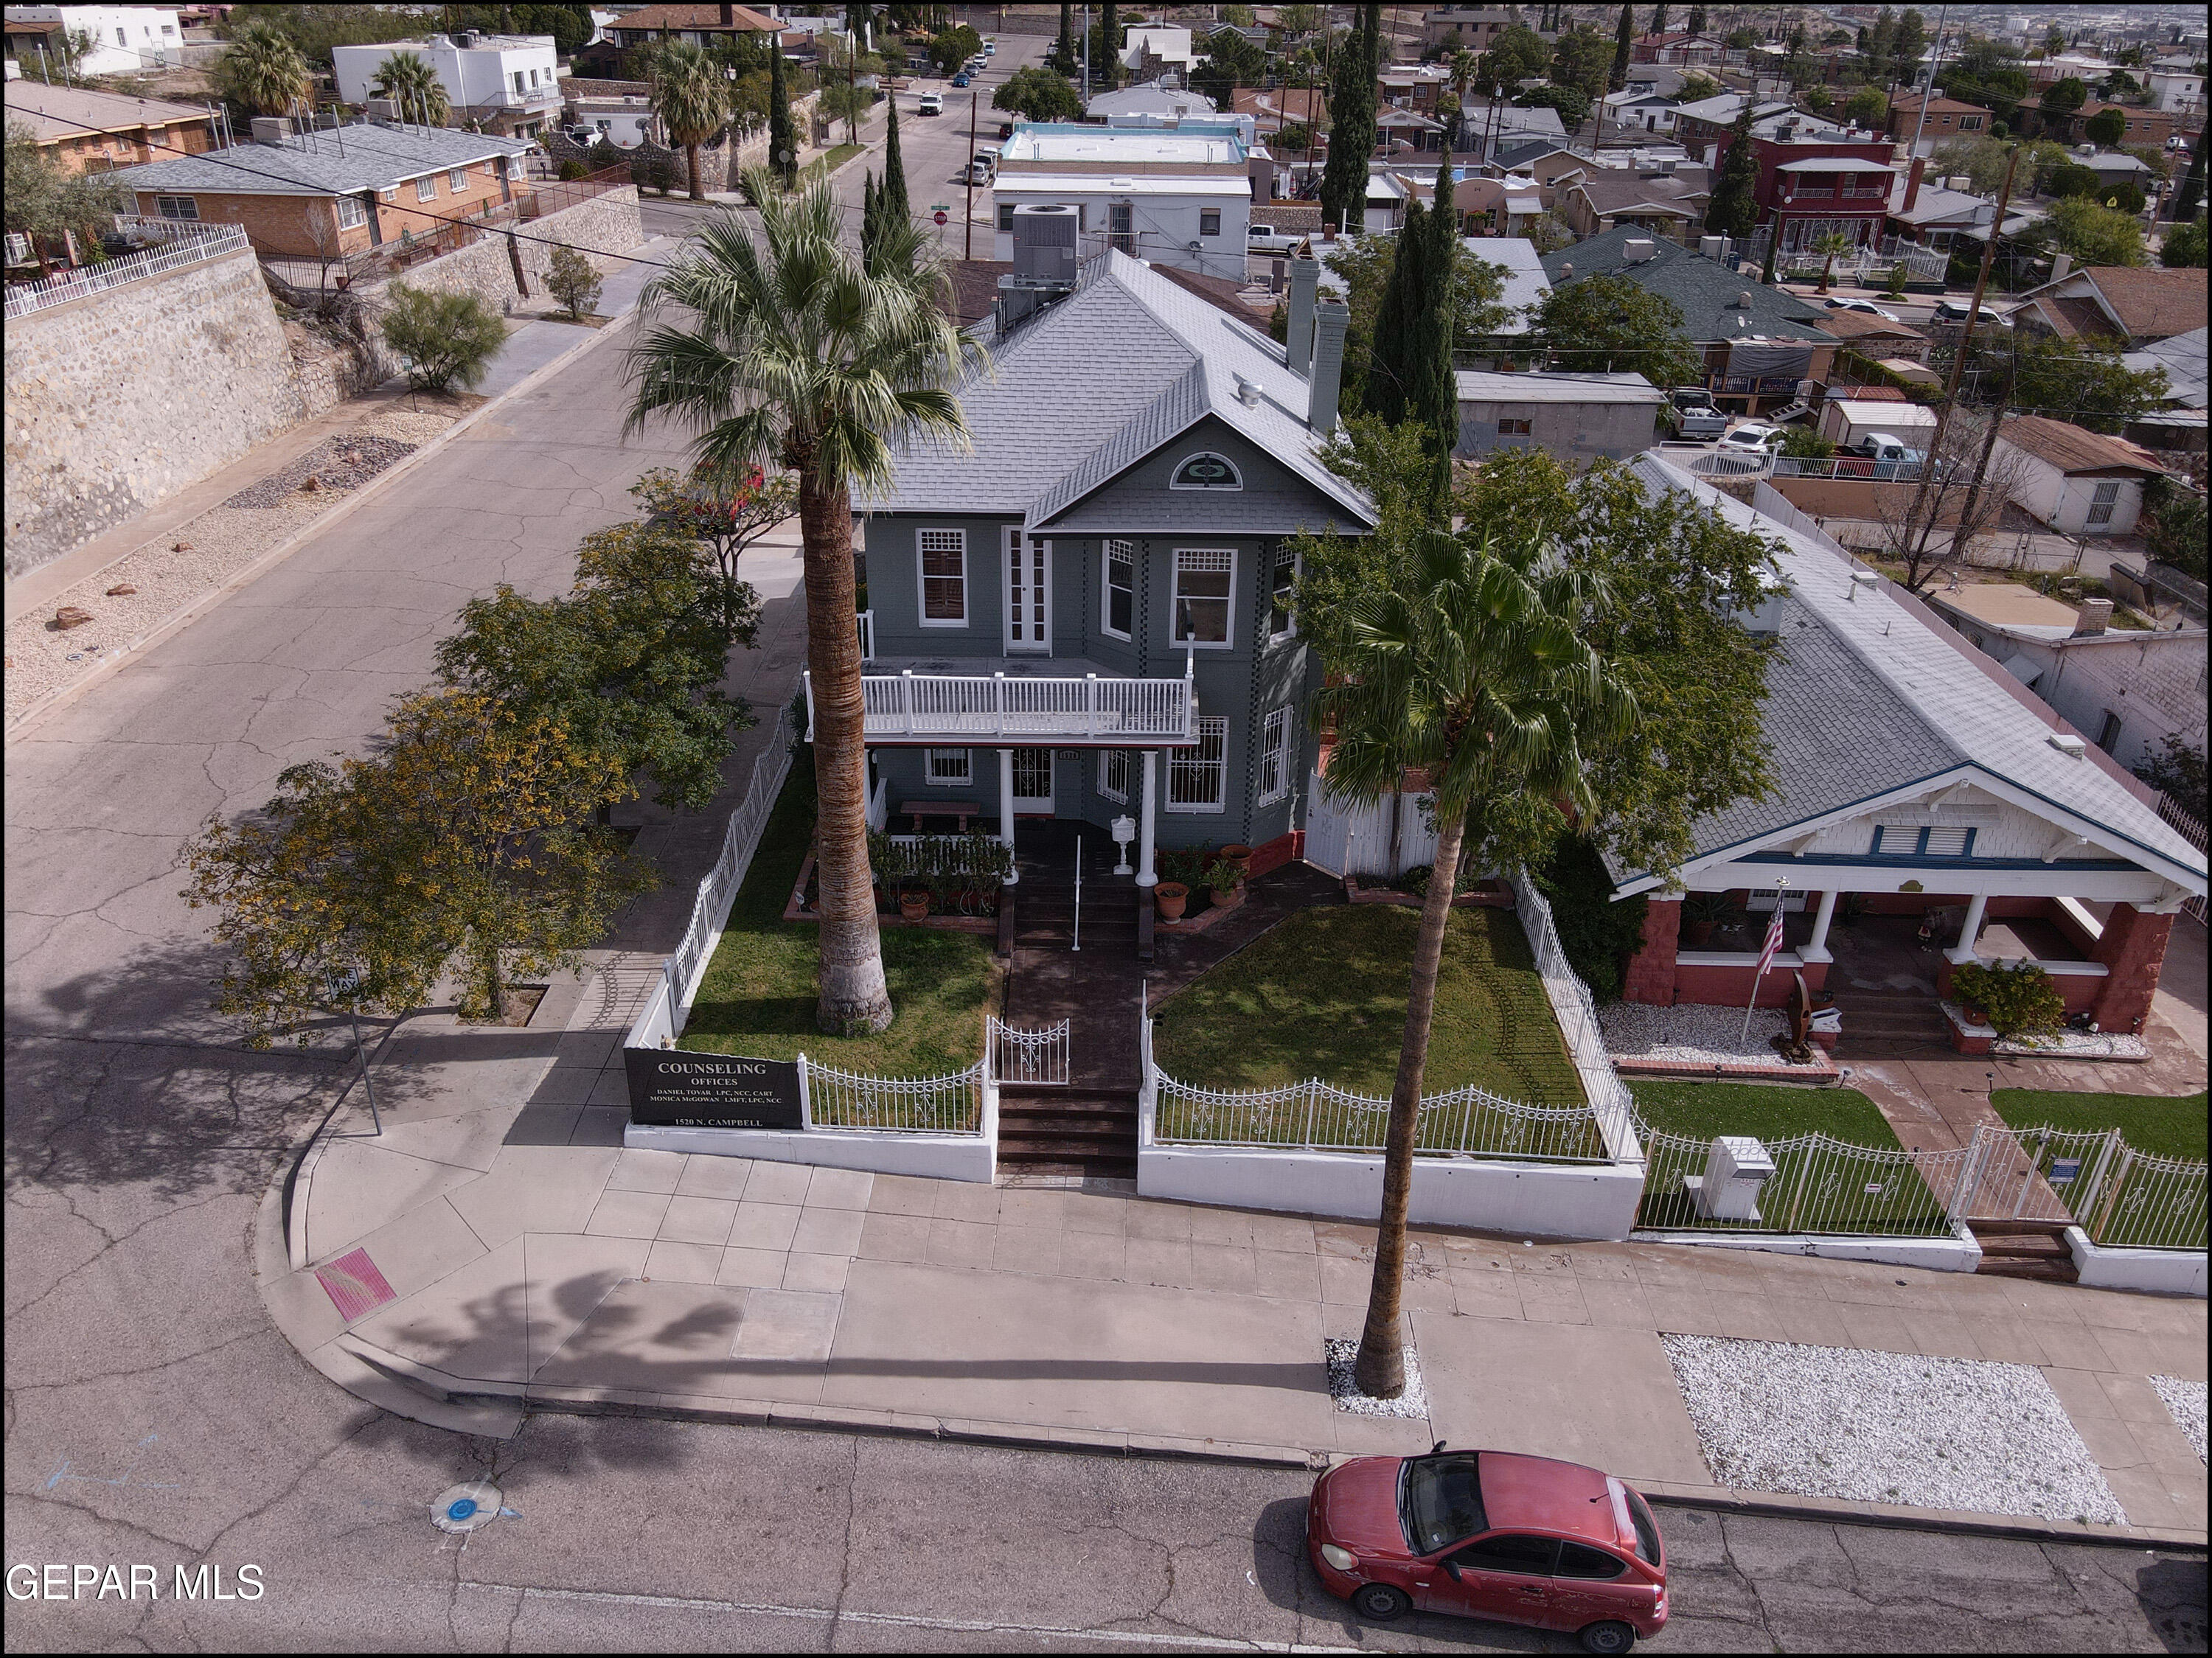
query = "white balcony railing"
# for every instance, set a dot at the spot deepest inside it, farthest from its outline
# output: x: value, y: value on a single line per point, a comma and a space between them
x: 910, y: 705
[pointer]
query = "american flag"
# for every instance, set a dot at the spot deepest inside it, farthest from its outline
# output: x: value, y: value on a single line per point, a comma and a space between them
x: 1767, y: 951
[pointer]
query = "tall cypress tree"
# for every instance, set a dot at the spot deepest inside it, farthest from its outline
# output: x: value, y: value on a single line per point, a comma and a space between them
x: 1659, y: 19
x: 893, y: 198
x: 2192, y: 188
x: 1733, y: 208
x: 1063, y: 54
x: 872, y: 218
x: 782, y: 137
x: 1110, y: 36
x: 1432, y: 394
x: 1351, y: 130
x: 1391, y: 370
x: 1623, y: 32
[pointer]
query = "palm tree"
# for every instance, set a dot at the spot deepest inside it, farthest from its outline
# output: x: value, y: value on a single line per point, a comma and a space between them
x: 1468, y: 669
x: 411, y: 80
x: 1832, y: 246
x: 785, y: 352
x: 692, y: 96
x: 264, y: 70
x: 1465, y: 67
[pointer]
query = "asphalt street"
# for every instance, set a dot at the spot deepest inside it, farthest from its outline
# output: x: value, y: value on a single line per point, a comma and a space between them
x: 153, y: 1416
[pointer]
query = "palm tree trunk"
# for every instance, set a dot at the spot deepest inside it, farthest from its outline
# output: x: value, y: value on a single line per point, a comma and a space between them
x: 854, y: 997
x: 691, y: 161
x: 1380, y: 1370
x: 1825, y: 270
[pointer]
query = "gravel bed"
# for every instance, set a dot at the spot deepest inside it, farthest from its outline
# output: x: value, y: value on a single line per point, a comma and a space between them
x: 2186, y: 1400
x: 1868, y: 1427
x: 335, y: 463
x: 1343, y: 1351
x: 1701, y: 1034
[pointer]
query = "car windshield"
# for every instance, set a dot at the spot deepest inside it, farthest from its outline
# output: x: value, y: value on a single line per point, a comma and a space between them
x: 1439, y: 1501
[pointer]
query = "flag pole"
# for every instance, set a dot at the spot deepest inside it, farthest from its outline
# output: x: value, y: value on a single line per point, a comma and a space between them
x: 1768, y: 946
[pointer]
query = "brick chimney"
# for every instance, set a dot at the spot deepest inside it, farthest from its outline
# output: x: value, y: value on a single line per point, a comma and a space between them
x: 2093, y: 618
x: 729, y: 17
x: 1913, y: 183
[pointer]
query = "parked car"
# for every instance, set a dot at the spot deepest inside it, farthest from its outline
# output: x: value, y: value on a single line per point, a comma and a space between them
x: 1958, y: 311
x: 1266, y: 239
x: 1754, y: 436
x: 932, y: 103
x: 990, y: 47
x: 1690, y: 414
x: 1494, y: 1534
x: 982, y: 170
x: 1867, y: 306
x: 1006, y: 129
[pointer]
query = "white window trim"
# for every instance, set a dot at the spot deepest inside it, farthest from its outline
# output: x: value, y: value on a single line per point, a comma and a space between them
x: 1290, y: 629
x: 1235, y: 473
x: 967, y: 778
x: 1174, y: 603
x: 1189, y: 757
x: 353, y: 213
x: 457, y: 178
x: 1106, y: 789
x: 426, y: 187
x: 1025, y: 647
x: 1275, y: 744
x: 1106, y: 588
x: 921, y: 576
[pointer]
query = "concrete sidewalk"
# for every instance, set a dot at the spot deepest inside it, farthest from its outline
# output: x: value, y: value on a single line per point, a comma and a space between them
x: 532, y: 1261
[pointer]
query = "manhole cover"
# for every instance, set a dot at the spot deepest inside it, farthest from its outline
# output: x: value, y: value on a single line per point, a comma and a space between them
x: 466, y: 1507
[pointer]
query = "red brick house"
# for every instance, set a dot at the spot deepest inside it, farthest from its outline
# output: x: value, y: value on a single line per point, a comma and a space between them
x: 1815, y: 178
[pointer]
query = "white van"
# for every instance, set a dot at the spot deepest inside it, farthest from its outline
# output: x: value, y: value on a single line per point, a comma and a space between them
x: 932, y: 103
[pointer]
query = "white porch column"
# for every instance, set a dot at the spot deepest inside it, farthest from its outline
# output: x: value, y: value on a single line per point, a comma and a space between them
x: 1145, y: 875
x: 1963, y: 952
x: 1816, y: 949
x: 1006, y: 810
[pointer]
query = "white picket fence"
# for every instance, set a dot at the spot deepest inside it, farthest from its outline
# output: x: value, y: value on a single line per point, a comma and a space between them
x: 219, y: 242
x: 1316, y: 1116
x: 1577, y: 1012
x: 1382, y: 839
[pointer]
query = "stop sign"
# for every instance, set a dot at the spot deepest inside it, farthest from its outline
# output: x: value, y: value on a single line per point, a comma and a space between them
x: 942, y: 215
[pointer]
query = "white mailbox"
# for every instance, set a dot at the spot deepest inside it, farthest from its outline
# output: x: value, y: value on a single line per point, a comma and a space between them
x: 1736, y: 1166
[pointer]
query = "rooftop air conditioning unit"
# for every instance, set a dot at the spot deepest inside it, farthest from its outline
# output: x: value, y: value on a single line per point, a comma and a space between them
x: 1044, y: 244
x: 1962, y: 183
x: 1637, y: 249
x: 1712, y: 246
x: 271, y: 129
x: 467, y: 39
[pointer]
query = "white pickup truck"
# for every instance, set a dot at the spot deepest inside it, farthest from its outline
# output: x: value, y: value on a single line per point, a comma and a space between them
x: 1691, y: 416
x: 1266, y: 239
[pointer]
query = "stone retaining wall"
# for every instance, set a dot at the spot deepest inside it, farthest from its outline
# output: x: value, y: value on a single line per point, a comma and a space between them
x: 605, y: 224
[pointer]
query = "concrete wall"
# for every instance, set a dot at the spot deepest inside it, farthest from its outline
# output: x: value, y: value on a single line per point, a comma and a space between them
x: 1960, y: 1253
x: 117, y: 400
x: 2160, y: 1271
x: 1570, y: 431
x: 930, y: 1156
x: 605, y: 224
x: 1538, y: 1200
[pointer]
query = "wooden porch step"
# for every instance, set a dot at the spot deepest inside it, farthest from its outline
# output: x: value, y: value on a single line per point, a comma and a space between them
x: 2027, y: 1249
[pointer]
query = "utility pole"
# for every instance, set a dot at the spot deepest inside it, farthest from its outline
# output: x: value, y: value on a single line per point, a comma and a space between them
x: 1927, y: 86
x: 1086, y: 59
x: 974, y: 100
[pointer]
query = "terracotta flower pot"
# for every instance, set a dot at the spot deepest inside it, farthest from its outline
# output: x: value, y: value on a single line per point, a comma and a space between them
x: 1224, y: 897
x: 1240, y: 856
x: 1171, y: 897
x: 913, y: 906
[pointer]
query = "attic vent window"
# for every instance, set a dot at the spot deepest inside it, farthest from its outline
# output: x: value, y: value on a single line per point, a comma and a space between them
x: 1207, y: 472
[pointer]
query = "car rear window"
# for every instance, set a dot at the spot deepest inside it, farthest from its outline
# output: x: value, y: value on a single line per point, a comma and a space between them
x: 1647, y: 1530
x: 1440, y: 1501
x: 1580, y: 1560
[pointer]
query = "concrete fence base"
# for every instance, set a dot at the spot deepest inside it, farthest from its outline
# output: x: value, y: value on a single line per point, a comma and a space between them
x: 1591, y: 1201
x: 1957, y: 1253
x: 2160, y: 1271
x: 931, y: 1156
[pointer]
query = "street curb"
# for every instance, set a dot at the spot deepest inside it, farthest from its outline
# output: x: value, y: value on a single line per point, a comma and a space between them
x: 176, y: 620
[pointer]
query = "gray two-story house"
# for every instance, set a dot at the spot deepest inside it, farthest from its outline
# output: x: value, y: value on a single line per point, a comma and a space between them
x: 1086, y: 613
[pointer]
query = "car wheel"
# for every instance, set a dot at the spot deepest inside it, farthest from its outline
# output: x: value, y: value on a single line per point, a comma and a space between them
x: 1381, y: 1603
x: 1607, y: 1637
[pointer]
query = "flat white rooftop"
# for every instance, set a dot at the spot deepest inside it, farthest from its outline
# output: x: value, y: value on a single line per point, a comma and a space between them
x: 1122, y: 146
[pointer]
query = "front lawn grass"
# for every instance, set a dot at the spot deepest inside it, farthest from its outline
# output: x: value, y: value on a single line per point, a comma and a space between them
x: 758, y: 998
x: 1702, y: 1111
x: 1323, y: 994
x: 2166, y: 1127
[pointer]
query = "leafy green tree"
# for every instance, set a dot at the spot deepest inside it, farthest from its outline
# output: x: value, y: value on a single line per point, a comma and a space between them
x: 2174, y: 529
x: 2078, y: 381
x: 263, y: 71
x: 1829, y: 247
x: 1367, y: 264
x: 1911, y: 41
x: 443, y: 340
x: 1658, y: 19
x: 1733, y: 208
x: 896, y: 206
x: 2092, y: 233
x: 691, y: 94
x: 1389, y: 380
x: 1608, y: 324
x: 465, y: 848
x: 1351, y: 126
x: 411, y: 82
x: 785, y: 352
x: 1038, y: 94
x: 2177, y: 770
x: 725, y: 523
x: 42, y: 200
x: 2106, y: 127
x: 954, y: 47
x: 1582, y: 59
x: 572, y: 279
x: 1867, y: 107
x: 2059, y: 101
x: 1472, y: 672
x: 2191, y: 196
x: 1573, y: 103
x: 1517, y: 53
x: 2183, y: 248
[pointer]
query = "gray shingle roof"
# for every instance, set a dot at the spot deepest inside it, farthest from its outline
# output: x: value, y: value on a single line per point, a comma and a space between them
x: 1104, y: 378
x: 327, y: 163
x: 1865, y: 696
x: 1705, y: 289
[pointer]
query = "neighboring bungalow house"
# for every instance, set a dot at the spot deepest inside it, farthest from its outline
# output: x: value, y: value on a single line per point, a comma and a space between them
x: 1576, y: 417
x: 1678, y: 48
x: 1543, y: 161
x: 2129, y: 306
x: 1670, y: 204
x: 1758, y: 342
x: 507, y: 83
x: 697, y: 25
x: 620, y: 111
x: 2177, y: 426
x: 1474, y: 27
x: 1085, y: 614
x: 1488, y: 129
x: 1493, y: 207
x: 1922, y: 123
x: 1274, y: 108
x: 1149, y: 105
x: 1876, y: 339
x: 88, y: 132
x: 1630, y: 110
x: 1406, y: 129
x: 2178, y: 88
x: 1911, y: 773
x: 1178, y: 196
x: 1412, y: 86
x: 332, y: 193
x: 2128, y: 690
x: 2080, y: 484
x: 1701, y: 125
x: 2146, y: 128
x: 1930, y: 213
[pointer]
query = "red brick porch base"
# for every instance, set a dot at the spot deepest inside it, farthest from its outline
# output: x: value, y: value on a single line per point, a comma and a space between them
x: 1650, y: 975
x: 2134, y: 948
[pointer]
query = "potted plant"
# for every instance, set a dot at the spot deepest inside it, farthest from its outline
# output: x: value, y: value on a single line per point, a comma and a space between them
x: 1240, y: 856
x: 913, y: 902
x: 2013, y: 998
x: 1170, y: 897
x: 1702, y: 912
x: 1224, y: 884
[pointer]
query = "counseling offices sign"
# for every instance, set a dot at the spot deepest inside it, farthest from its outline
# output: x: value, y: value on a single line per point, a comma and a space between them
x: 669, y: 1088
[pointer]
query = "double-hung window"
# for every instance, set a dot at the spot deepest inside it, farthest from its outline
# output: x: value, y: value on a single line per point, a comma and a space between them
x: 1512, y: 428
x: 1203, y: 579
x: 1119, y: 615
x: 1209, y: 222
x: 1275, y: 756
x: 351, y: 213
x: 1282, y: 619
x: 457, y: 179
x: 951, y: 767
x: 944, y: 578
x: 1198, y: 776
x: 1114, y: 775
x: 426, y: 188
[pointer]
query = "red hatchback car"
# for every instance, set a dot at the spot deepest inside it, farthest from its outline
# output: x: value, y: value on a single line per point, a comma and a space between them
x: 1522, y: 1539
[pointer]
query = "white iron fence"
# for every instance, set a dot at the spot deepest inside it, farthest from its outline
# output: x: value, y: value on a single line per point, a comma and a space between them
x: 2185, y: 824
x: 951, y: 1104
x: 1575, y: 1009
x: 2151, y: 1203
x: 220, y: 242
x: 1029, y: 1059
x: 1315, y: 1117
x: 2091, y: 1178
x: 1821, y: 1186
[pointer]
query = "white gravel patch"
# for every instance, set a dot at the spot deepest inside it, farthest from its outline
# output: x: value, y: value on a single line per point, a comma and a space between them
x: 1343, y: 1351
x: 1870, y: 1427
x: 1700, y: 1035
x: 2186, y: 1400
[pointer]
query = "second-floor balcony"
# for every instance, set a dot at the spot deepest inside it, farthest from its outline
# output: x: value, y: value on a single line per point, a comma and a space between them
x: 1022, y: 701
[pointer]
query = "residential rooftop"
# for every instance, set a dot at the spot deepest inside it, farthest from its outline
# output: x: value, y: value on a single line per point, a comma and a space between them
x: 1193, y: 143
x: 2072, y: 450
x: 333, y: 162
x: 1717, y: 303
x: 54, y: 113
x: 1478, y: 387
x: 2182, y: 356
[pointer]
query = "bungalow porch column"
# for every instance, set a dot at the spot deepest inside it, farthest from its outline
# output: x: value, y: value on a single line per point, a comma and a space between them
x: 1146, y: 876
x: 1963, y: 952
x: 1006, y: 811
x: 1816, y: 947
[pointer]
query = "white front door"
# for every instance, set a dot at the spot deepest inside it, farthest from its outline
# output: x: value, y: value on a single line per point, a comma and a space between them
x: 1033, y: 782
x: 1029, y: 593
